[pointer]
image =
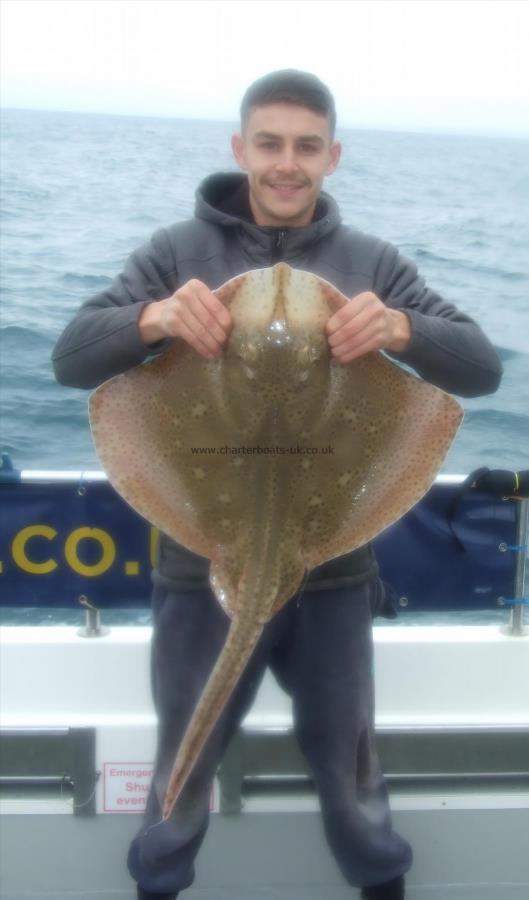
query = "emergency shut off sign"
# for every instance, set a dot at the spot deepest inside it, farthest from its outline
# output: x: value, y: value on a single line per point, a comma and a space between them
x: 126, y: 788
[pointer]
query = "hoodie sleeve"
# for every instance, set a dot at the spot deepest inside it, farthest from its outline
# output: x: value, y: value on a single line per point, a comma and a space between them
x: 103, y: 338
x: 447, y: 347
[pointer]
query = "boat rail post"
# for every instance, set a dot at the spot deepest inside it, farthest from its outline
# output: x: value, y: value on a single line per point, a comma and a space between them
x: 92, y: 627
x: 516, y: 626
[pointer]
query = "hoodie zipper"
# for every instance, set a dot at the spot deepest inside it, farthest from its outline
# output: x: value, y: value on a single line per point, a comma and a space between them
x: 278, y: 247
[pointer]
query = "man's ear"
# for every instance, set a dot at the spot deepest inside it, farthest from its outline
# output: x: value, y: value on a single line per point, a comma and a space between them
x: 335, y: 153
x: 238, y: 150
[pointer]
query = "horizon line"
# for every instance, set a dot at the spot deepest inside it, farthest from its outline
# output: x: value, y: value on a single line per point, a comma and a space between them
x: 449, y: 131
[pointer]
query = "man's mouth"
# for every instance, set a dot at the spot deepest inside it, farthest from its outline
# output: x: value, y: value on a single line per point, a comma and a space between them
x: 285, y: 188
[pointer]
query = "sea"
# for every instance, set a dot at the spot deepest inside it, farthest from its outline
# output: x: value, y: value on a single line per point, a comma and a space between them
x: 79, y: 192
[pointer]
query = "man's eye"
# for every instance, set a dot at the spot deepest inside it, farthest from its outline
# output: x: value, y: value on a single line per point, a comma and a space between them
x: 308, y: 148
x: 268, y: 145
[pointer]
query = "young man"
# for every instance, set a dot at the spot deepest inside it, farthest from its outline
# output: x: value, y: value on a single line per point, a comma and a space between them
x: 320, y: 647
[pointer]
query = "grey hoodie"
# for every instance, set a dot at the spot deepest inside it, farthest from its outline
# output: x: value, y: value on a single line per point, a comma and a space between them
x: 447, y: 348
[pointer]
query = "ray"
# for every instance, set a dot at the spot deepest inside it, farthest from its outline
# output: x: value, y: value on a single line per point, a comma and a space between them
x: 268, y: 460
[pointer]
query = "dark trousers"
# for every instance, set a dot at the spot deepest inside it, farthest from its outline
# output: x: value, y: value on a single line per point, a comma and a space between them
x: 320, y: 649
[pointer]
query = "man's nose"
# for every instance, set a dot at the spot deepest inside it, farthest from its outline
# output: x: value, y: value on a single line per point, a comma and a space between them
x: 288, y: 160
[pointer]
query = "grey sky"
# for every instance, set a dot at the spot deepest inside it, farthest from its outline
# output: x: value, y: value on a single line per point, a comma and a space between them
x: 442, y: 65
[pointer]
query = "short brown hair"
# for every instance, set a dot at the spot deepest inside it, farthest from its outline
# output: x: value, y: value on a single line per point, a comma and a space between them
x: 290, y: 86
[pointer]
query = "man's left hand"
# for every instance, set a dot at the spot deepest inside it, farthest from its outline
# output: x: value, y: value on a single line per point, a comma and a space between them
x: 366, y: 324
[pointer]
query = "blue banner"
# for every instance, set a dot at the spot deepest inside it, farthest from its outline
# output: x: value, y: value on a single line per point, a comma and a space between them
x: 61, y: 541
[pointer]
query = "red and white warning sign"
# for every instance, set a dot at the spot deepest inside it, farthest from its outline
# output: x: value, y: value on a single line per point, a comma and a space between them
x: 126, y: 787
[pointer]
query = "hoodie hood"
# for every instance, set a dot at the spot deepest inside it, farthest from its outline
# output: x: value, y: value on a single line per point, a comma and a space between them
x: 223, y: 199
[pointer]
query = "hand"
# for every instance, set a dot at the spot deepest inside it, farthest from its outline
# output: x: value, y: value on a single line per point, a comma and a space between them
x: 365, y: 324
x: 192, y: 313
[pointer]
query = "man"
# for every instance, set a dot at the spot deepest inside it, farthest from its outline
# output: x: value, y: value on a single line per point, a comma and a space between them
x: 320, y: 644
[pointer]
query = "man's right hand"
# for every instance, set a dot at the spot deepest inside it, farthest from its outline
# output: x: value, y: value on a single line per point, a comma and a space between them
x: 192, y: 313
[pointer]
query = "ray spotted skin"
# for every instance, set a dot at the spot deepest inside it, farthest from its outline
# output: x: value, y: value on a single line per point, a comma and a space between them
x: 264, y: 516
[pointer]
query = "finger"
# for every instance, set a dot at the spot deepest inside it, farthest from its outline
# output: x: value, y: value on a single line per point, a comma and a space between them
x: 349, y: 312
x: 179, y: 321
x: 197, y: 303
x: 207, y: 324
x: 190, y: 337
x: 369, y: 321
x: 371, y: 334
x: 215, y: 307
x: 365, y: 347
x: 211, y: 339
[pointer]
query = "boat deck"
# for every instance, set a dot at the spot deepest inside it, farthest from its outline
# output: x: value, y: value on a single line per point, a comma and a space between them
x: 460, y: 854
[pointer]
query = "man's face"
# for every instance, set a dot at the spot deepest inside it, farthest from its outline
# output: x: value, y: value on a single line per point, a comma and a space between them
x: 286, y: 151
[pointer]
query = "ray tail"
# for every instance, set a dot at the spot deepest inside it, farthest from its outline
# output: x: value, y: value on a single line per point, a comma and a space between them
x: 242, y: 638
